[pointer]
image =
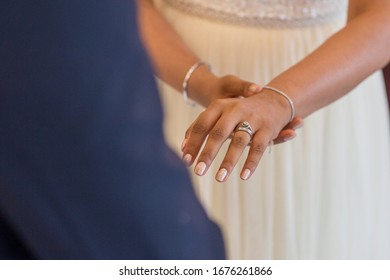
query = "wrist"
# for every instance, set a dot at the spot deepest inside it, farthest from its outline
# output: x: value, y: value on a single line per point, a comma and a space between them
x: 199, y: 88
x: 189, y: 74
x: 286, y: 98
x: 284, y: 106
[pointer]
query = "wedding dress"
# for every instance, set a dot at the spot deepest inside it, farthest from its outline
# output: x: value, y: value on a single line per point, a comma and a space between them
x: 323, y: 195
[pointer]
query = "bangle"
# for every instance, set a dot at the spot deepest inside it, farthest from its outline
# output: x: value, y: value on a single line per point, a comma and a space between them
x: 187, y: 78
x: 290, y: 102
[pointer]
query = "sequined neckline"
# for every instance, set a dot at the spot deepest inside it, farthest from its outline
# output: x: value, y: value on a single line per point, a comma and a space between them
x: 273, y: 13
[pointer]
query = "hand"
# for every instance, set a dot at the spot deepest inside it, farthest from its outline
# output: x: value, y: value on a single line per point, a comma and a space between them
x: 288, y: 132
x: 206, y: 90
x: 266, y: 112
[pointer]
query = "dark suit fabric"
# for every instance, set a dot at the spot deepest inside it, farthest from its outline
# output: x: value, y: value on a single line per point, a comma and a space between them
x: 386, y: 73
x: 84, y: 170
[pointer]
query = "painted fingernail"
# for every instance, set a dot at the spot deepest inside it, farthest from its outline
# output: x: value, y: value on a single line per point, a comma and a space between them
x: 245, y: 174
x: 183, y: 145
x: 254, y: 88
x: 200, y: 168
x: 187, y: 159
x: 221, y: 175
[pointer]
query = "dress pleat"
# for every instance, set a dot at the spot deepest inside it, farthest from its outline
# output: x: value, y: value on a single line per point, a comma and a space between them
x: 323, y: 195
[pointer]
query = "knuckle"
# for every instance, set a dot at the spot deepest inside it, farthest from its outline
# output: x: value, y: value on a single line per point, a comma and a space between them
x: 217, y: 134
x: 199, y: 128
x: 190, y: 147
x: 238, y: 109
x: 258, y: 148
x: 220, y: 103
x: 239, y: 142
x: 256, y: 118
x: 216, y: 105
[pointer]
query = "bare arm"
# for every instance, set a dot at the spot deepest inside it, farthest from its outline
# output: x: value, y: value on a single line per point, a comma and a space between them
x: 343, y: 61
x: 331, y: 71
x: 172, y: 58
x: 170, y: 55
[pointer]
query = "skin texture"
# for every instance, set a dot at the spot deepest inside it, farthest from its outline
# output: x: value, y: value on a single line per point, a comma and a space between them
x: 172, y: 64
x: 324, y: 76
x: 321, y: 78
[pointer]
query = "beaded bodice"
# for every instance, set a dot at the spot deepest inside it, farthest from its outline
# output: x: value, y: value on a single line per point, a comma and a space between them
x: 265, y: 12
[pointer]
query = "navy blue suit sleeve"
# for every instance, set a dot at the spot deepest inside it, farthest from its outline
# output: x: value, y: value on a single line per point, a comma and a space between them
x: 84, y: 170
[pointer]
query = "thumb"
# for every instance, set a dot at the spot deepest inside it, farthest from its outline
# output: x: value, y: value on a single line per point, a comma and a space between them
x: 252, y: 89
x: 237, y: 87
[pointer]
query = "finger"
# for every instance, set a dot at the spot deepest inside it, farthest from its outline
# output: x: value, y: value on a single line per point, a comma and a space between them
x: 237, y: 146
x: 288, y: 132
x: 196, y: 136
x: 199, y: 130
x: 284, y: 136
x: 251, y: 88
x: 186, y: 136
x: 295, y: 124
x: 259, y: 144
x: 237, y: 87
x: 217, y: 136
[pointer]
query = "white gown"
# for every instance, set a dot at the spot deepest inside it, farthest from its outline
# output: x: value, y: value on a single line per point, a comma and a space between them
x: 323, y: 195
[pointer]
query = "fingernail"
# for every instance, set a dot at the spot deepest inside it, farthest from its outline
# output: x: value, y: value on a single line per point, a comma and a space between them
x: 297, y: 126
x: 183, y: 145
x: 221, y: 175
x: 245, y: 174
x: 200, y: 168
x: 254, y: 88
x: 187, y: 159
x: 288, y: 138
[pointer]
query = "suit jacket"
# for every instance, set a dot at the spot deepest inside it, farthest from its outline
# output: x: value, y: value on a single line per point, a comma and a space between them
x: 84, y: 170
x: 386, y: 73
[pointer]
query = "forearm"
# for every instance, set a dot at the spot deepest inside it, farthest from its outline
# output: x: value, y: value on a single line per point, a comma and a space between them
x: 170, y: 55
x: 343, y: 61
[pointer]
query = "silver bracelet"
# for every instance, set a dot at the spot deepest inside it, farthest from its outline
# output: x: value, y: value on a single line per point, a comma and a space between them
x: 187, y: 78
x: 285, y: 96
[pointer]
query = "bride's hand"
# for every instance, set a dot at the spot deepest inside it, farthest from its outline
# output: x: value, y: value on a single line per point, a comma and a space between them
x: 267, y: 113
x: 211, y: 88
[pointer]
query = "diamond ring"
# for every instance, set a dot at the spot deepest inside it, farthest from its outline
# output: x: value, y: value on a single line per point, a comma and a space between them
x: 246, y: 127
